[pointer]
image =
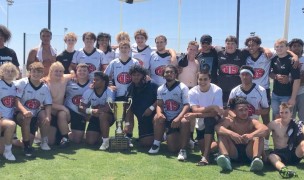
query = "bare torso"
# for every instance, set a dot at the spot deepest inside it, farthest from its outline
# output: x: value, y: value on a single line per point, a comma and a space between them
x: 279, y: 134
x: 241, y: 128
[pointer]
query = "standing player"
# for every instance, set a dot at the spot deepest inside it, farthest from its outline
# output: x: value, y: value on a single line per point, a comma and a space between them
x: 229, y: 63
x: 253, y: 93
x: 118, y: 70
x: 143, y: 93
x: 206, y: 103
x: 66, y: 56
x: 8, y: 72
x: 73, y: 94
x: 141, y: 51
x: 95, y: 103
x: 159, y: 59
x: 104, y: 44
x: 172, y: 105
x: 6, y: 54
x: 296, y: 46
x: 88, y: 54
x: 281, y: 65
x: 208, y: 58
x: 45, y: 53
x: 31, y: 96
x: 288, y: 140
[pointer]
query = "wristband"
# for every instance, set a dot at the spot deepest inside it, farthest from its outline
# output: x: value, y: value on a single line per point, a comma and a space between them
x: 88, y: 111
x: 152, y: 108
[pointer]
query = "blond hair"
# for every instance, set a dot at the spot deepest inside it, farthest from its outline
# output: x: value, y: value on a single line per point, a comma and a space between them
x: 8, y: 66
x: 55, y: 65
x: 122, y: 36
x: 70, y: 35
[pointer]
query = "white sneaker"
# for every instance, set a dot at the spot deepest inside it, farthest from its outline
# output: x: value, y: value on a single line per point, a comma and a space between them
x: 44, y: 146
x: 182, y: 155
x: 266, y: 144
x: 154, y: 149
x: 9, y: 156
x: 104, y: 146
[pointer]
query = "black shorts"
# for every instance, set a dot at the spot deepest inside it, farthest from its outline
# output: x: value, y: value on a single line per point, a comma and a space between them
x: 33, y: 124
x: 242, y: 155
x: 94, y: 124
x: 200, y: 134
x: 287, y: 156
x: 169, y: 129
x: 78, y: 122
x: 145, y: 126
x: 54, y: 121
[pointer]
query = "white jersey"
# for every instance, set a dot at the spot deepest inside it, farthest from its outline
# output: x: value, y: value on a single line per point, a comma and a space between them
x: 157, y: 65
x: 119, y: 72
x: 96, y: 101
x: 256, y: 97
x: 143, y: 56
x: 31, y: 97
x: 73, y: 94
x: 261, y: 67
x: 93, y: 60
x: 108, y: 57
x: 214, y: 96
x: 173, y: 99
x: 7, y: 96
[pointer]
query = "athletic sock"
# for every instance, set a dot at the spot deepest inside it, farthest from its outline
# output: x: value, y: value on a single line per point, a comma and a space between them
x: 156, y: 142
x: 7, y: 147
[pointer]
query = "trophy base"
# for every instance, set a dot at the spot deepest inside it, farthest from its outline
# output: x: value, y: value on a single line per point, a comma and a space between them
x: 119, y: 143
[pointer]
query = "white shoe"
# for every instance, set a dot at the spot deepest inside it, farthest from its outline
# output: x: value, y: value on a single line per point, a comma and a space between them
x: 182, y: 155
x: 44, y: 146
x: 9, y: 156
x: 266, y: 144
x: 104, y: 146
x: 154, y: 149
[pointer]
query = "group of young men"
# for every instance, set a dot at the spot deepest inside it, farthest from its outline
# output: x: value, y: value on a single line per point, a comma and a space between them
x: 210, y: 89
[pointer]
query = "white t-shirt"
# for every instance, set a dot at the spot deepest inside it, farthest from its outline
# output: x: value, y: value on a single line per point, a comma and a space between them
x: 204, y: 99
x: 7, y: 96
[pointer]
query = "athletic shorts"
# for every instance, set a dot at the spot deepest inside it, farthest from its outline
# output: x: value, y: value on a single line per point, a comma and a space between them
x: 33, y: 124
x: 169, y: 129
x: 242, y: 155
x: 268, y: 96
x: 145, y: 126
x: 78, y: 122
x: 287, y: 156
x: 94, y: 124
x: 54, y: 121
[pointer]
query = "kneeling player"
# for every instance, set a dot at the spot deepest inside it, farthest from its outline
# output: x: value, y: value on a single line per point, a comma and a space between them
x: 288, y: 140
x: 8, y: 72
x: 172, y: 105
x: 240, y: 138
x: 31, y: 96
x: 94, y: 103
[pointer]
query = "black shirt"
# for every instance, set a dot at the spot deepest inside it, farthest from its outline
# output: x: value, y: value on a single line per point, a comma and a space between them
x: 65, y: 58
x: 8, y: 55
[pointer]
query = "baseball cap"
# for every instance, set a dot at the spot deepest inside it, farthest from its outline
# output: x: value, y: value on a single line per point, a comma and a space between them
x: 206, y: 39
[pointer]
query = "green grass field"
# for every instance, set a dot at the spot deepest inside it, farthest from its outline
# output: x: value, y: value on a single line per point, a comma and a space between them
x: 87, y: 162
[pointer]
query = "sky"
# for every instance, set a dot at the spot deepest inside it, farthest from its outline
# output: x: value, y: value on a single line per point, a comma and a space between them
x: 197, y: 17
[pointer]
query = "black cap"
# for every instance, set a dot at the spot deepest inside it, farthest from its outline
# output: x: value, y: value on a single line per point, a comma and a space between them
x: 206, y: 39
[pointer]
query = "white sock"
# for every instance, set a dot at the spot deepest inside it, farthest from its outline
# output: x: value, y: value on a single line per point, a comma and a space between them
x: 44, y: 139
x: 7, y: 147
x: 156, y: 142
x: 105, y: 139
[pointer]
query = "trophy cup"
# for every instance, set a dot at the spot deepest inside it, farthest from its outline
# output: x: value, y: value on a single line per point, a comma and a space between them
x: 119, y: 142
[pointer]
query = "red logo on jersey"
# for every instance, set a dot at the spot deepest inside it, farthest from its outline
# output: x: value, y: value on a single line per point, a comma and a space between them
x: 251, y: 110
x: 32, y: 104
x: 8, y: 101
x: 140, y: 61
x: 91, y: 67
x: 230, y: 69
x: 171, y: 105
x: 124, y: 78
x: 160, y: 70
x: 258, y: 73
x: 76, y: 100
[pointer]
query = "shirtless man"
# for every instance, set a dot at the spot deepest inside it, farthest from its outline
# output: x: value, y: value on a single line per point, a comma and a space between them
x: 57, y: 82
x: 288, y: 140
x: 240, y: 138
x: 45, y: 53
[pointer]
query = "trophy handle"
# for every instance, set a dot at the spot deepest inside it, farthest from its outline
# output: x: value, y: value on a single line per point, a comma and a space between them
x: 109, y: 100
x: 130, y: 103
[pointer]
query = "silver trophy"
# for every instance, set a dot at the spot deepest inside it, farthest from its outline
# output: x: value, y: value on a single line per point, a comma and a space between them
x: 119, y: 109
